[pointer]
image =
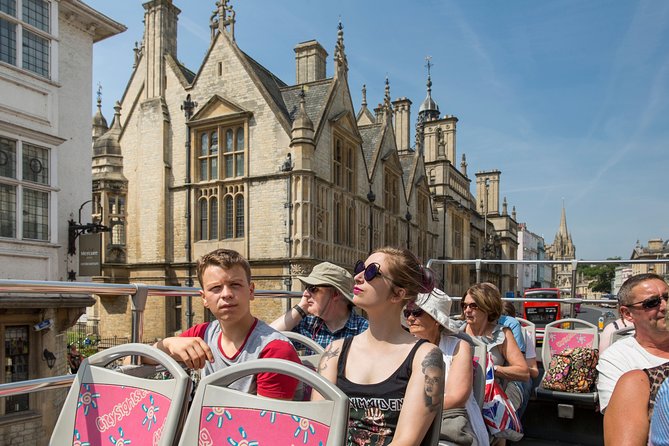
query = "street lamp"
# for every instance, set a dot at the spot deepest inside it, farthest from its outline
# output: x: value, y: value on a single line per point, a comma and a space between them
x: 50, y: 358
x: 188, y: 106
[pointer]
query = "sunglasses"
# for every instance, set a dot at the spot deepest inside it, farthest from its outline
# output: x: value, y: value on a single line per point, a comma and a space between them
x: 472, y: 305
x: 651, y: 302
x: 371, y: 271
x: 313, y: 289
x: 416, y: 312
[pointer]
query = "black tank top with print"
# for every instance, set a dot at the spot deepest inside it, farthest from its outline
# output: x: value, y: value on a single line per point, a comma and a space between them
x: 375, y: 408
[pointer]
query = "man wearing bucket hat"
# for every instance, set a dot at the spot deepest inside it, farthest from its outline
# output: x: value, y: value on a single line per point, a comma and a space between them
x: 428, y: 318
x: 325, y: 312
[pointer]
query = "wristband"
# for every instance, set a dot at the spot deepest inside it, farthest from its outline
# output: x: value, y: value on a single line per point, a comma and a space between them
x: 300, y: 310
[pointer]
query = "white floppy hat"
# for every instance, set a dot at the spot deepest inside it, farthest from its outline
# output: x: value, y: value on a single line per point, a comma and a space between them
x: 438, y: 305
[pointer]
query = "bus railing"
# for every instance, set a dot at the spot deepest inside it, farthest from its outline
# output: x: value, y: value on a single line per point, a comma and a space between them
x: 478, y: 263
x: 139, y: 294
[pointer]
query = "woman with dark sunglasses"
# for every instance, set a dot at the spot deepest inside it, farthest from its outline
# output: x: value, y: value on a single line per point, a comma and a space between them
x: 428, y: 318
x: 481, y: 308
x: 393, y: 380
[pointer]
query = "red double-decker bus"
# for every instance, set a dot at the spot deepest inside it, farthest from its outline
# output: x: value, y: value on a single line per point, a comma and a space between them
x: 541, y: 313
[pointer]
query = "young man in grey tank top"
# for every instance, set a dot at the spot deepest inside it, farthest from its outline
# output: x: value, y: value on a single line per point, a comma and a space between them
x: 236, y: 335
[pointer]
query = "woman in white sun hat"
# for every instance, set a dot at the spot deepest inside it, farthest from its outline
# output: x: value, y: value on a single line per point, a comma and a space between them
x: 427, y: 318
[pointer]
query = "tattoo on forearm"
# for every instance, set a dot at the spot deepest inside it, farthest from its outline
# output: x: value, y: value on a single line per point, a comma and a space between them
x: 327, y: 354
x: 433, y: 371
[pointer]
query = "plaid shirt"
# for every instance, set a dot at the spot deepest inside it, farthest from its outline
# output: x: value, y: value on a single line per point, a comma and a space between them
x: 314, y: 328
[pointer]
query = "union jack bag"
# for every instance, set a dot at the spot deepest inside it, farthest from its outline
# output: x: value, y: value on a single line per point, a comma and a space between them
x: 499, y: 414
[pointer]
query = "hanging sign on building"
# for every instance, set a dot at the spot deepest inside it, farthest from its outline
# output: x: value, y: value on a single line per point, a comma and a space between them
x: 89, y: 254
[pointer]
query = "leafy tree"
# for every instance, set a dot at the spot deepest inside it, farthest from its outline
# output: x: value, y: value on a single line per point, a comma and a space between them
x: 601, y: 275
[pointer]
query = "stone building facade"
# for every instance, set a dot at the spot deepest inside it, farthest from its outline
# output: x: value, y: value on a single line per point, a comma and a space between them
x: 655, y: 249
x: 532, y: 246
x: 46, y: 55
x: 288, y: 175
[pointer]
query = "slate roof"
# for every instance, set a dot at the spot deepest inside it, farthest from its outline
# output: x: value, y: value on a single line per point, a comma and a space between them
x: 371, y: 137
x: 188, y: 74
x: 272, y: 84
x: 407, y: 162
x: 315, y: 100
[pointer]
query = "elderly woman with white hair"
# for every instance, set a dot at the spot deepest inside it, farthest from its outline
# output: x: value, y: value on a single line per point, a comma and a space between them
x: 427, y: 318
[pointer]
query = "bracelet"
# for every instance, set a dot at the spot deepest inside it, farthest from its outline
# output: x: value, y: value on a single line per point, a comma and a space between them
x: 300, y: 310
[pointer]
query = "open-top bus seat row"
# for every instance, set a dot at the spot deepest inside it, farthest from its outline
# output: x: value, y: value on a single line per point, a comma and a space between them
x: 559, y: 336
x: 105, y: 406
x: 109, y: 406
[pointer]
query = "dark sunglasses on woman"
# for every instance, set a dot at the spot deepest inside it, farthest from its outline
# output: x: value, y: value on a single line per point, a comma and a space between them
x: 416, y: 312
x: 371, y: 271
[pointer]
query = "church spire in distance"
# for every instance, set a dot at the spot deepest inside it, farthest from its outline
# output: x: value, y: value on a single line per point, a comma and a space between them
x: 563, y: 223
x: 563, y: 247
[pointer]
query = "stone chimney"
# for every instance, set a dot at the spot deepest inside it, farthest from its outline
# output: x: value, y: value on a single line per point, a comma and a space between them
x: 402, y: 107
x: 655, y: 244
x: 310, y: 61
x: 160, y: 38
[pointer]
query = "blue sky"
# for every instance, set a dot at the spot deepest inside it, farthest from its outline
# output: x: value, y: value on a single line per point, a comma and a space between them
x: 569, y: 99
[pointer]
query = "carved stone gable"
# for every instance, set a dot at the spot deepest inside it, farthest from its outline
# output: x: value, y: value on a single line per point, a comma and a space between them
x: 217, y: 107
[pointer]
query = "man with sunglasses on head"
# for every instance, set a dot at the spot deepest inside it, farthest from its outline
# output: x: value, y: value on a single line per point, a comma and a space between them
x: 325, y: 312
x: 642, y: 301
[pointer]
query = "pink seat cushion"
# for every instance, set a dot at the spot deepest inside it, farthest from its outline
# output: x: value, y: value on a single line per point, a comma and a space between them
x: 252, y: 427
x: 114, y: 415
x: 562, y: 340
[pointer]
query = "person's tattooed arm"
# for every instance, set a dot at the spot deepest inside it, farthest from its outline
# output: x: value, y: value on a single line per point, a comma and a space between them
x: 433, y: 371
x: 329, y: 353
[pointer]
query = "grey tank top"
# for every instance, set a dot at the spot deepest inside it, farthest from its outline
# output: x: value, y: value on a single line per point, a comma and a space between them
x: 259, y: 336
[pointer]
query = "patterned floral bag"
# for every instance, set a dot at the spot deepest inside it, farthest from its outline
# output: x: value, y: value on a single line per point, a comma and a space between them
x: 572, y: 370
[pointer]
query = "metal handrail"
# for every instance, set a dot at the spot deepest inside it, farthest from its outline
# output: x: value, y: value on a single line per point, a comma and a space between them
x: 36, y: 385
x: 106, y: 289
x: 138, y: 292
x: 574, y: 264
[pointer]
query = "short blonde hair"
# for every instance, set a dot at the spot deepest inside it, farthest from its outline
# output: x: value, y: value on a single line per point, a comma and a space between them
x: 488, y: 298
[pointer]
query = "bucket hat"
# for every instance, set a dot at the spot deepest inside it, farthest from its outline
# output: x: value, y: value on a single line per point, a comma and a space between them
x: 438, y: 305
x: 327, y: 273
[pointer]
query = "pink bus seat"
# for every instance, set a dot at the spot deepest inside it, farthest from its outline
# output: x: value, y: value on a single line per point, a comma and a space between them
x: 559, y: 336
x: 105, y: 406
x: 220, y: 415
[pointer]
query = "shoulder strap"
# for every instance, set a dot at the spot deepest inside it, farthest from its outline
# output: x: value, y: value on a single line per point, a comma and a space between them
x: 408, y: 363
x: 341, y: 364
